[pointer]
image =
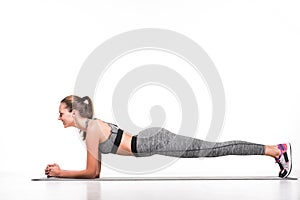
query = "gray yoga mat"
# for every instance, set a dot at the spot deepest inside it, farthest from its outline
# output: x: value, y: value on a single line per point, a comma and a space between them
x: 182, y: 178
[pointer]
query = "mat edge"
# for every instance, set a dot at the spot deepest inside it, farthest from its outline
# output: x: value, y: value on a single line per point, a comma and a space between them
x: 168, y: 178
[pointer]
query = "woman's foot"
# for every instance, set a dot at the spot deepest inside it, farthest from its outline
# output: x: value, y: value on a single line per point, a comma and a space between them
x: 284, y: 160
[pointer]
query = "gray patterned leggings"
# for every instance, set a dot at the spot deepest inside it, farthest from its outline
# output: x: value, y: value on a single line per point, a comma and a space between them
x: 160, y: 141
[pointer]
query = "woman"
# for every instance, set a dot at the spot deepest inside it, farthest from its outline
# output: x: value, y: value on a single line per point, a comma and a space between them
x: 104, y: 137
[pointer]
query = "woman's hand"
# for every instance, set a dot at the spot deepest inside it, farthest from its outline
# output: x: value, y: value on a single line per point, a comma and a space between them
x: 52, y: 170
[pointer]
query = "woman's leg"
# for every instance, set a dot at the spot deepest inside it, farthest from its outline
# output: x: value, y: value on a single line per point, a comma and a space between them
x: 160, y: 141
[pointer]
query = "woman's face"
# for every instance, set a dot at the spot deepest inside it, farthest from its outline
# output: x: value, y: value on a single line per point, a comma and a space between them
x: 65, y: 116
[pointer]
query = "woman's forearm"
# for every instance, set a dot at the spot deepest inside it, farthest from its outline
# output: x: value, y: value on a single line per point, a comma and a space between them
x: 77, y: 174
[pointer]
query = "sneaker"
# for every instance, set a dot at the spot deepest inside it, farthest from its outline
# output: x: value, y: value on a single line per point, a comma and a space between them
x: 285, y: 160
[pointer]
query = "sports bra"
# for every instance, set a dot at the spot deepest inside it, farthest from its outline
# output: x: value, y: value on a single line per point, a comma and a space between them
x: 111, y: 144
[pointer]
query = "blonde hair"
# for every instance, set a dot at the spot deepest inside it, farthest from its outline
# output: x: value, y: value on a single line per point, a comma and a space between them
x: 83, y: 105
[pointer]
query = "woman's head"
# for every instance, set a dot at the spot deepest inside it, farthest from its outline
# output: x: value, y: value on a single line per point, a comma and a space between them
x: 74, y: 105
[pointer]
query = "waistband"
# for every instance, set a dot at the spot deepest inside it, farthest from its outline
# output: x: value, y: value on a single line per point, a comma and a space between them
x: 133, y: 145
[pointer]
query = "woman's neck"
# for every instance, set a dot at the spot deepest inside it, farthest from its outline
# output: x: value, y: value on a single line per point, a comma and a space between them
x: 80, y: 123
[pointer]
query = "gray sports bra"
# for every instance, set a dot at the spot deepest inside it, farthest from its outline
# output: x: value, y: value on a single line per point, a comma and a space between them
x: 113, y: 141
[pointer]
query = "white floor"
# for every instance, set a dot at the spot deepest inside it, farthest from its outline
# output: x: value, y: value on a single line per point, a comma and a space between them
x: 21, y: 187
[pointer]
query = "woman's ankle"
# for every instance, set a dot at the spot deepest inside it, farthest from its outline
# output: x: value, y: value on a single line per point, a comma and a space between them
x: 272, y: 150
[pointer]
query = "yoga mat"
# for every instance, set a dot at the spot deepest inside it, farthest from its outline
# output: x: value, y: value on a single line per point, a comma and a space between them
x: 182, y: 178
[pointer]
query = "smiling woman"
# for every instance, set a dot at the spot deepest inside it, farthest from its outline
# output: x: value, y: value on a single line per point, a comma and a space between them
x: 83, y: 105
x: 104, y: 137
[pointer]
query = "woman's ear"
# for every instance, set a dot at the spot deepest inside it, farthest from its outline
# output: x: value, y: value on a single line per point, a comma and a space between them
x: 73, y: 116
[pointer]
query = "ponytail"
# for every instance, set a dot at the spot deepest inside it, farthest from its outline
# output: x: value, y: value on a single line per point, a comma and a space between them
x: 89, y: 108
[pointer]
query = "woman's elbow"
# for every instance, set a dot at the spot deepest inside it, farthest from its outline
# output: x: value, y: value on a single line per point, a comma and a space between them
x: 91, y: 175
x: 97, y: 175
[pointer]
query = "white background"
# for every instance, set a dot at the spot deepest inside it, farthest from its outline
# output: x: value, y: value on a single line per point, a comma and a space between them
x: 254, y: 45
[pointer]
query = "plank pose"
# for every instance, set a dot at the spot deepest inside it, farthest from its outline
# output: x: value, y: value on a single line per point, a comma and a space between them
x: 104, y: 137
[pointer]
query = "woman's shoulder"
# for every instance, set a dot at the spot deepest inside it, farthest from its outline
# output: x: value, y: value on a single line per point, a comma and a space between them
x: 98, y: 124
x: 93, y: 124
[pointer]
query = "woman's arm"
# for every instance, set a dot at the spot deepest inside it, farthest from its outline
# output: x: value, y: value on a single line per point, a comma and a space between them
x: 90, y: 171
x: 93, y: 166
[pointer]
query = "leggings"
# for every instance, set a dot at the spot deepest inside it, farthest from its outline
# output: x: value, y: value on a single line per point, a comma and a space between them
x: 156, y: 140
